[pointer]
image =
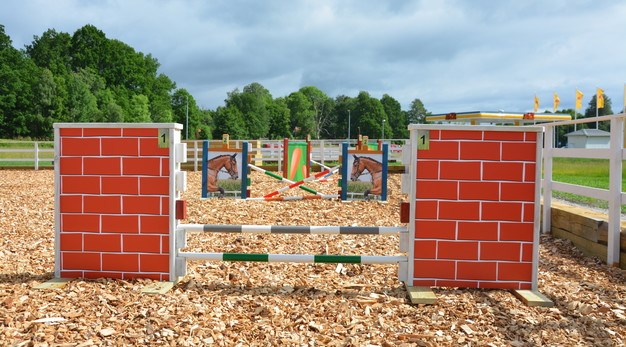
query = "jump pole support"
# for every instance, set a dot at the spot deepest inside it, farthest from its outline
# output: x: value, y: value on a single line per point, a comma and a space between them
x: 287, y: 229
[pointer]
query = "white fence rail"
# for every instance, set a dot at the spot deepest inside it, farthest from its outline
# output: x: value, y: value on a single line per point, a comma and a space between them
x: 614, y: 195
x: 269, y: 152
x: 34, y: 155
x: 263, y: 152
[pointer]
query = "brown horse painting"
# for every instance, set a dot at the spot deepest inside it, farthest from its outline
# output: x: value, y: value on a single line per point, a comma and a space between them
x: 374, y: 167
x: 215, y: 165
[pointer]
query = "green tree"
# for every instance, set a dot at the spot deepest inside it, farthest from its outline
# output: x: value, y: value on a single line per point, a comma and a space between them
x: 51, y: 51
x: 590, y: 112
x: 344, y: 106
x: 561, y: 131
x: 370, y: 115
x: 45, y: 102
x: 88, y: 49
x: 397, y: 118
x: 139, y: 110
x: 279, y: 119
x: 301, y: 115
x: 161, y: 99
x: 204, y: 131
x: 185, y: 110
x: 18, y: 79
x: 417, y: 112
x: 110, y: 111
x: 82, y: 105
x: 321, y: 107
x: 229, y: 120
x: 253, y: 102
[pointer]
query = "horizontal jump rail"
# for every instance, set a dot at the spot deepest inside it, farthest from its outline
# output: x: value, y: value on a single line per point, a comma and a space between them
x: 301, y: 182
x: 296, y: 258
x: 292, y: 229
x: 281, y: 178
x: 298, y: 197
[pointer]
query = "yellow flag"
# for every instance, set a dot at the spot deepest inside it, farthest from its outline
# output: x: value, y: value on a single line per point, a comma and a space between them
x: 536, y: 104
x: 579, y: 99
x: 600, y: 98
x: 557, y: 101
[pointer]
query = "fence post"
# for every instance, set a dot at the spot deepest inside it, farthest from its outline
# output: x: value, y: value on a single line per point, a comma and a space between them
x: 322, y: 150
x: 615, y: 191
x: 547, y: 179
x: 195, y: 155
x: 258, y: 154
x: 36, y: 155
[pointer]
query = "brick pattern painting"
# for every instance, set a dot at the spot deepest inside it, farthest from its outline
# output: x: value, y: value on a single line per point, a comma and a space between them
x: 475, y: 209
x: 113, y: 201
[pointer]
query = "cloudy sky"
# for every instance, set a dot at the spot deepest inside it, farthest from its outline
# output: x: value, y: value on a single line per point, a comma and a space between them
x: 454, y: 55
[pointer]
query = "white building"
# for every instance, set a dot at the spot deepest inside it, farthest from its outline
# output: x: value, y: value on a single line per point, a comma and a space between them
x: 588, y: 138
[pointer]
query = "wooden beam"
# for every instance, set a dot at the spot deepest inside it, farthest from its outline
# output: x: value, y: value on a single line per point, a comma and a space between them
x: 421, y: 295
x: 157, y: 288
x: 54, y: 283
x: 533, y: 298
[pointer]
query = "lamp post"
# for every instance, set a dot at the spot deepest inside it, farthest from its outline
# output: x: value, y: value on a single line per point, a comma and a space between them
x: 382, y: 137
x: 348, y: 127
x: 187, y: 118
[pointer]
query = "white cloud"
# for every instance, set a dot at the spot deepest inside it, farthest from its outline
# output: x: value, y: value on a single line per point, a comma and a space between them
x: 454, y: 55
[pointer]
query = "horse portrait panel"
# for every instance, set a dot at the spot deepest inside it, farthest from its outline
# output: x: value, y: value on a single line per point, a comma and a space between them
x: 366, y: 168
x: 223, y: 169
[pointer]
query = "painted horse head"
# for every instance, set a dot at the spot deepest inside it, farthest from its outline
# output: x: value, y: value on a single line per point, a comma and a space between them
x: 357, y: 168
x: 361, y: 164
x: 231, y: 166
x: 374, y: 167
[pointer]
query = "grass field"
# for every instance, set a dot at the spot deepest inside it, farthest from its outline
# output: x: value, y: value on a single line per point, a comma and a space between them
x: 585, y: 172
x: 15, y: 153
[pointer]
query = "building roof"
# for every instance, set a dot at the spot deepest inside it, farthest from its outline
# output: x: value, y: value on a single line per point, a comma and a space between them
x: 589, y: 133
x: 498, y: 117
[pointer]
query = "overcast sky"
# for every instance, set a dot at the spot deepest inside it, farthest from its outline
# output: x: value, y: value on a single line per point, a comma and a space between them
x: 453, y: 55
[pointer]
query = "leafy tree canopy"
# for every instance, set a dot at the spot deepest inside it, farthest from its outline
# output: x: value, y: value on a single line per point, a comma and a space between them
x: 87, y: 77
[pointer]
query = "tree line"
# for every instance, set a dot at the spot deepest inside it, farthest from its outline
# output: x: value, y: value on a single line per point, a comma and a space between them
x: 87, y: 77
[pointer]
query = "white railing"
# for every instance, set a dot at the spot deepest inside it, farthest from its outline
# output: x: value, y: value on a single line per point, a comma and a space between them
x: 271, y: 152
x: 38, y: 154
x: 614, y: 195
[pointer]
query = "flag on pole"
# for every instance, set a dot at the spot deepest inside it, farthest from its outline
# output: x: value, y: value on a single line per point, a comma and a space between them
x: 557, y: 101
x: 536, y: 104
x: 579, y: 99
x: 600, y: 98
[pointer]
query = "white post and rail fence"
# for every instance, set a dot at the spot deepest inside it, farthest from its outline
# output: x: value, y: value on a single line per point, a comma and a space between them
x: 40, y: 154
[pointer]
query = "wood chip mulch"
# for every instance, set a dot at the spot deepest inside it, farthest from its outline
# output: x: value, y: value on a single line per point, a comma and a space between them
x: 243, y: 304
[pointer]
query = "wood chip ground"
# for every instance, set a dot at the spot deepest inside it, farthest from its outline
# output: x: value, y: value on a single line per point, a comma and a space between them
x: 259, y: 304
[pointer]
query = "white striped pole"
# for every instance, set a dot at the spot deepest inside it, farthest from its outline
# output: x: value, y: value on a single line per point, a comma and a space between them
x: 296, y: 258
x: 281, y: 178
x: 320, y: 164
x: 299, y: 183
x: 293, y: 229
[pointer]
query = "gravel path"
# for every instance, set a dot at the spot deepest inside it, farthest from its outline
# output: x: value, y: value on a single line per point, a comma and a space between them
x: 286, y: 304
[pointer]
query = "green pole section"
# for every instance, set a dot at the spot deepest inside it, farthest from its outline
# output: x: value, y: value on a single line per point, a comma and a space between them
x: 271, y: 174
x: 352, y: 259
x: 245, y: 257
x: 308, y: 189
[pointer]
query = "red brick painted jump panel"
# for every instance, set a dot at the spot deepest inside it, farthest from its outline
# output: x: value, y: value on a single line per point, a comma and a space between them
x: 114, y: 200
x: 474, y: 206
